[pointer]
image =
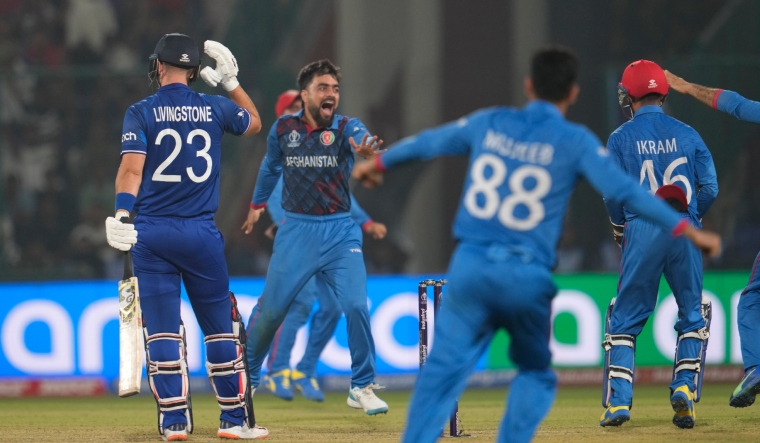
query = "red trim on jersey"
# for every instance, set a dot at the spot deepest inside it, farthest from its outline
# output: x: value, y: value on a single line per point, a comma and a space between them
x: 379, y: 163
x: 367, y: 224
x: 309, y: 129
x: 259, y: 206
x: 715, y: 99
x: 680, y: 227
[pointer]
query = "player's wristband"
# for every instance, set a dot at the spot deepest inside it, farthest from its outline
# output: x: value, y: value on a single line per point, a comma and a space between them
x: 715, y: 98
x: 379, y: 163
x: 680, y: 227
x: 125, y: 200
x: 367, y: 224
x: 258, y: 206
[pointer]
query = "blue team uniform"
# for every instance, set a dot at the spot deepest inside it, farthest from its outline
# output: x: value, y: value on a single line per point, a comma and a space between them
x: 325, y: 319
x: 316, y: 237
x: 524, y: 164
x: 658, y: 150
x: 748, y: 310
x: 180, y: 133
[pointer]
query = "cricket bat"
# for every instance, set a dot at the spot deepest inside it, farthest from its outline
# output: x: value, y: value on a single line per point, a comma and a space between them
x: 131, y: 348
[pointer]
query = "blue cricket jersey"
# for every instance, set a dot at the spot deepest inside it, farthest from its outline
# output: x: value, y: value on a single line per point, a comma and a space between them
x: 732, y: 103
x: 742, y: 108
x: 524, y: 165
x: 274, y: 207
x: 661, y: 150
x: 315, y: 164
x: 180, y: 132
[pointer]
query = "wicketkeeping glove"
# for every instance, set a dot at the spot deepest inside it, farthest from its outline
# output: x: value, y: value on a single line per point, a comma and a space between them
x: 121, y: 236
x: 617, y: 233
x: 226, y: 66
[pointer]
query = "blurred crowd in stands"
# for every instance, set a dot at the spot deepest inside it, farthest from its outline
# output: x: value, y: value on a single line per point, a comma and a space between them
x: 60, y: 120
x: 70, y: 68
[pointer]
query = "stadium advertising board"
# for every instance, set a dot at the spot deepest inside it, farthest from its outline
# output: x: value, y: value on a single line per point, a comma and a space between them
x: 69, y: 329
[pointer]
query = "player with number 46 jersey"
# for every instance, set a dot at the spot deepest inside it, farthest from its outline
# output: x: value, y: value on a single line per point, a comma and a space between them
x: 670, y: 159
x: 524, y: 165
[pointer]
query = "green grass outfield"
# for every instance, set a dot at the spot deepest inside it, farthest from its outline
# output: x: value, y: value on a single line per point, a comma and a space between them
x: 574, y: 418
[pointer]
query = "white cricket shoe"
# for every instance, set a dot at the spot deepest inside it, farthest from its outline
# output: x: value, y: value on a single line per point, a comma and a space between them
x: 175, y: 432
x: 231, y: 431
x: 365, y: 398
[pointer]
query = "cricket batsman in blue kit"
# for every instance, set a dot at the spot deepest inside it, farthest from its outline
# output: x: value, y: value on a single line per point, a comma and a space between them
x: 313, y: 151
x: 280, y: 377
x: 524, y: 165
x: 670, y: 159
x: 169, y: 176
x: 748, y: 310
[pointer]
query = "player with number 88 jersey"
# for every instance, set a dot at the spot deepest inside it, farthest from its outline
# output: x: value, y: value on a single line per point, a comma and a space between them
x: 524, y: 165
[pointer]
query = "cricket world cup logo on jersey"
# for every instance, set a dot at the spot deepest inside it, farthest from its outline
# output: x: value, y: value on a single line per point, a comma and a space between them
x: 327, y: 138
x: 294, y: 139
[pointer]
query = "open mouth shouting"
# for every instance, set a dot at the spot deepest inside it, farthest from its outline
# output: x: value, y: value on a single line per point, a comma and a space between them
x: 326, y: 109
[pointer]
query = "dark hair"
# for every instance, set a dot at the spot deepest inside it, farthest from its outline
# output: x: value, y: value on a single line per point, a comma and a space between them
x: 315, y: 69
x: 554, y: 71
x: 651, y: 98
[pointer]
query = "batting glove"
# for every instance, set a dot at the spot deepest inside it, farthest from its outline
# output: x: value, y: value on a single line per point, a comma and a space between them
x: 226, y: 66
x: 210, y: 76
x: 121, y: 236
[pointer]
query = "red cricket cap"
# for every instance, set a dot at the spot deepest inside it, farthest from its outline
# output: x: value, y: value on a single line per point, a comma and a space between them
x: 285, y: 100
x: 644, y: 77
x: 672, y: 191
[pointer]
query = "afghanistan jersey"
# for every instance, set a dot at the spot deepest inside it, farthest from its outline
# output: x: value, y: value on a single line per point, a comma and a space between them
x: 180, y: 133
x: 277, y: 214
x: 659, y: 150
x: 524, y: 165
x: 315, y: 165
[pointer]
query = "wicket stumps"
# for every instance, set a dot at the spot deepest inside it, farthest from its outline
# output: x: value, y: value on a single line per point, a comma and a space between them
x: 422, y: 304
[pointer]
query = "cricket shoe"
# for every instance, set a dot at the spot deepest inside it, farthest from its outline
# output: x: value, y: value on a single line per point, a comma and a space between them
x: 307, y: 385
x: 744, y: 394
x: 615, y: 416
x: 175, y: 432
x: 231, y: 431
x: 365, y: 398
x: 279, y: 383
x: 682, y: 401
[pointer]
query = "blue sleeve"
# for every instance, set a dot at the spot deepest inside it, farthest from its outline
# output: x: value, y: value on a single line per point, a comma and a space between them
x: 707, y: 180
x: 615, y: 209
x: 357, y: 213
x: 133, y: 137
x: 449, y: 139
x: 614, y: 184
x: 732, y: 103
x: 236, y: 119
x: 274, y: 205
x: 270, y: 170
x: 355, y: 129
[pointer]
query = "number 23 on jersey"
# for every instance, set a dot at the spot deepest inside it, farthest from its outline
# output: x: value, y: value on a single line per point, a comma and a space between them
x: 159, y: 175
x: 504, y: 208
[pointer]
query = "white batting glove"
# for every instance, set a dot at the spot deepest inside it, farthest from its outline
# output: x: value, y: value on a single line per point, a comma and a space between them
x: 226, y: 66
x: 121, y: 236
x: 210, y: 76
